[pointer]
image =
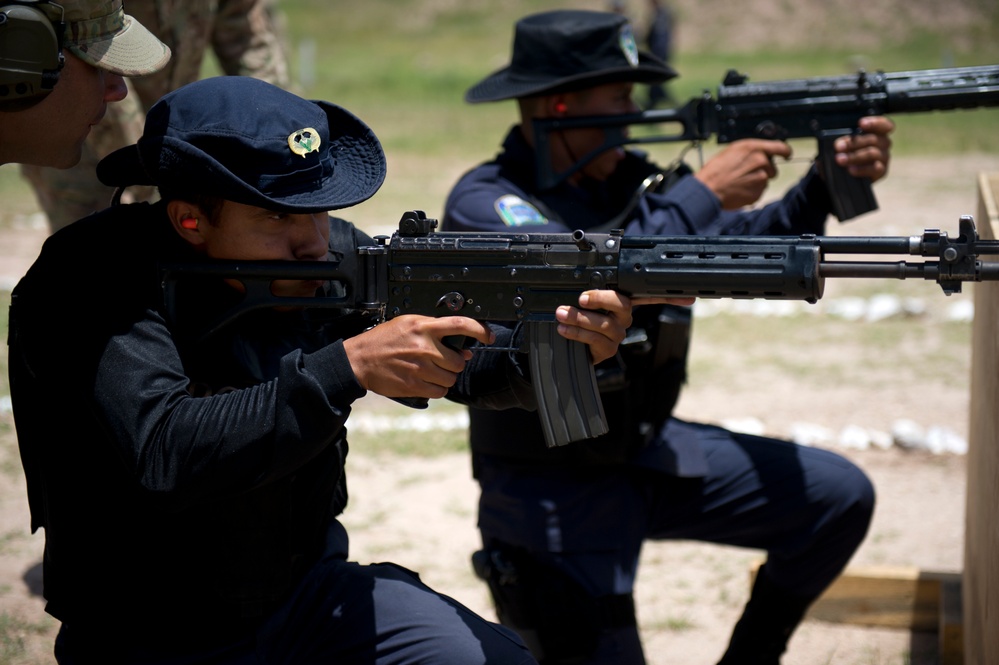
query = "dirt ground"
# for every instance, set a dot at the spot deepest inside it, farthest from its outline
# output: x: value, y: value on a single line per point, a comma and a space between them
x: 420, y: 512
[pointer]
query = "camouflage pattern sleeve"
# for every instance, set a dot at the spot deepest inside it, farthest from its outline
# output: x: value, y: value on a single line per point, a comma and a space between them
x: 246, y: 38
x: 185, y: 26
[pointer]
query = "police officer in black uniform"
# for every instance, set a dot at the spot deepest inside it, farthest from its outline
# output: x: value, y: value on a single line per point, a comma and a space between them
x: 562, y: 528
x: 189, y: 486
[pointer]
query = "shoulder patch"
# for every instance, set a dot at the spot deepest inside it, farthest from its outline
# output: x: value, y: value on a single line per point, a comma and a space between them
x: 515, y: 211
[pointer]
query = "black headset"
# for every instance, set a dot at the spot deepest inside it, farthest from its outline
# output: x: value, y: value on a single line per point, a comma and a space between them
x: 30, y: 49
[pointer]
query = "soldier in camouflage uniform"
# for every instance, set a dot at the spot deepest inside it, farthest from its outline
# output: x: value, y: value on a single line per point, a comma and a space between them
x: 61, y: 65
x: 243, y: 34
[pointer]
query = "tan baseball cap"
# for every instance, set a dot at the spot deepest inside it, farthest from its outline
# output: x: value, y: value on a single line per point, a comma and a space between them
x: 101, y: 34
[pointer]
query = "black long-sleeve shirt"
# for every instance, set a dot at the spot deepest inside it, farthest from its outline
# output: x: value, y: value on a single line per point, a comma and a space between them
x: 183, y: 487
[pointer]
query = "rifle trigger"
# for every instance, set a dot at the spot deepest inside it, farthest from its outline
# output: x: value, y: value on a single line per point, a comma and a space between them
x: 412, y: 402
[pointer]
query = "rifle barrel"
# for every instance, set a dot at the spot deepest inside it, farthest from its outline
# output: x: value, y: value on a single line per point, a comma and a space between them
x: 985, y: 270
x: 867, y: 245
x: 879, y: 269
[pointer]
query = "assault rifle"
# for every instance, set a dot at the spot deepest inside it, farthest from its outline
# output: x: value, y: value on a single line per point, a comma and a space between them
x: 824, y: 108
x: 524, y: 277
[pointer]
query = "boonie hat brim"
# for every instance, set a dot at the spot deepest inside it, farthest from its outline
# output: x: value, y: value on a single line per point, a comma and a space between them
x: 506, y: 84
x: 567, y: 50
x: 246, y: 165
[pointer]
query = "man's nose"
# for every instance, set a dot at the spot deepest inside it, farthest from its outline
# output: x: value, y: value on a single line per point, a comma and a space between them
x: 114, y: 87
x: 310, y: 240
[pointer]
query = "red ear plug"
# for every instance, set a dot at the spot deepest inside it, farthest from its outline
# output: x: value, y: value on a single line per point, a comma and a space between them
x: 190, y: 223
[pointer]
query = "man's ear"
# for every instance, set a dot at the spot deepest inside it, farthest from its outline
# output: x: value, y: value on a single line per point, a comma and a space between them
x: 187, y: 220
x: 557, y: 105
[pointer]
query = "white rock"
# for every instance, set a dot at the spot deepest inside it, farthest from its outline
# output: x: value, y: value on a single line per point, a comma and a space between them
x: 881, y: 440
x: 851, y: 309
x: 961, y: 311
x: 854, y: 437
x: 908, y: 434
x: 883, y: 306
x: 914, y: 306
x: 941, y: 440
x: 747, y: 425
x: 808, y: 434
x: 706, y: 307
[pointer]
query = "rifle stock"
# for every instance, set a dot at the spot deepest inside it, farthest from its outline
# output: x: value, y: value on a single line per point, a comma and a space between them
x: 521, y: 277
x: 823, y: 108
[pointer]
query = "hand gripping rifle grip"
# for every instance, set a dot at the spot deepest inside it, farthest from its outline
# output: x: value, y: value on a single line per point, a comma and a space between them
x: 850, y: 196
x: 566, y: 386
x: 456, y: 342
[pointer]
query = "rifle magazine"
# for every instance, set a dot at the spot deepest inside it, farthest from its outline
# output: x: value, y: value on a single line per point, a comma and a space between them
x: 850, y: 196
x: 569, y: 403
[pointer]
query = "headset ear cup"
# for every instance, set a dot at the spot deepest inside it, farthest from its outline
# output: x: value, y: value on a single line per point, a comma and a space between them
x: 30, y: 54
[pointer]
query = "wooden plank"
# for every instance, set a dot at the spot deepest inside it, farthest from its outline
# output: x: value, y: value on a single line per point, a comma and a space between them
x: 887, y: 597
x: 981, y: 564
x: 901, y: 597
x: 951, y: 630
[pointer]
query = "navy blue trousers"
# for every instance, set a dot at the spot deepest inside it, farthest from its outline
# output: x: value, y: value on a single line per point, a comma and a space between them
x: 808, y: 508
x: 343, y: 613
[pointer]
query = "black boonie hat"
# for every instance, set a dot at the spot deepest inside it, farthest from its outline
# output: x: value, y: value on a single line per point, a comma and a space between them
x: 244, y: 140
x: 566, y: 50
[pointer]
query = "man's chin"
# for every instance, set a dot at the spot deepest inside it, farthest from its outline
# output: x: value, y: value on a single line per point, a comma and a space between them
x: 64, y: 159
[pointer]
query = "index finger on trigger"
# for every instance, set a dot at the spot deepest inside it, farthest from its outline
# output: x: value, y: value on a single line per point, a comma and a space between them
x: 768, y: 147
x: 477, y: 330
x: 778, y: 149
